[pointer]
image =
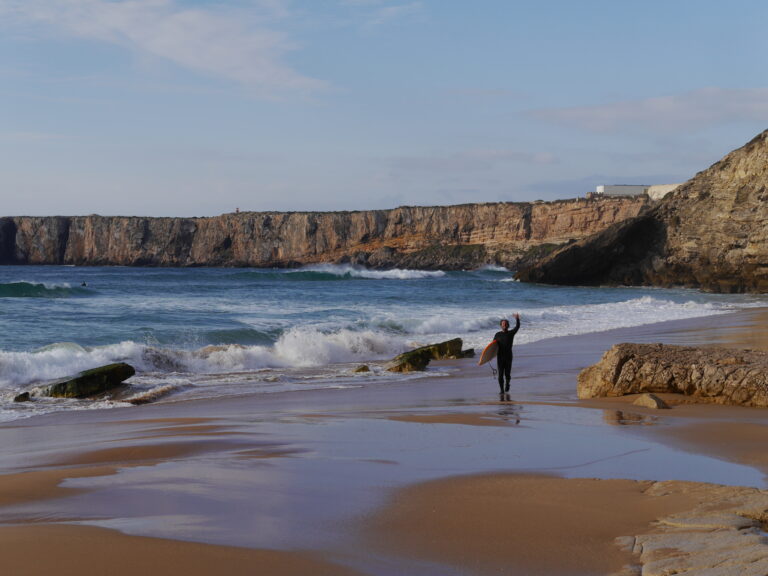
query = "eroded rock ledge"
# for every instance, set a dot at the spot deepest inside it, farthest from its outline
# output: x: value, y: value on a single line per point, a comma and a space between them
x: 717, y: 375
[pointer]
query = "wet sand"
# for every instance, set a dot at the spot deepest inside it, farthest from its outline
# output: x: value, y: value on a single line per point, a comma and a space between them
x: 534, y: 525
x: 68, y: 550
x: 737, y: 441
x: 357, y: 480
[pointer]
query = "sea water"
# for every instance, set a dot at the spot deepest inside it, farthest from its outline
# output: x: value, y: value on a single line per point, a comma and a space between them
x: 205, y: 332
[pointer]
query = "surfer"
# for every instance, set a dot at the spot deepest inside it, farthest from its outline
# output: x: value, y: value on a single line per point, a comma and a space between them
x: 504, y: 339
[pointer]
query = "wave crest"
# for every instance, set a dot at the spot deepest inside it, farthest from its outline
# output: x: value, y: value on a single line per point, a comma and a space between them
x: 296, y: 348
x: 22, y: 289
x: 336, y: 271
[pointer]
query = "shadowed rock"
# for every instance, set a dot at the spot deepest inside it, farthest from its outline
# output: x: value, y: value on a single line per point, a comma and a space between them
x: 87, y: 383
x: 418, y: 359
x: 710, y: 233
x: 722, y: 376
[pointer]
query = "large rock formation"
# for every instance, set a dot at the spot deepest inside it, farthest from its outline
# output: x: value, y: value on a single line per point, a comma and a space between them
x: 722, y: 376
x: 446, y: 237
x: 710, y: 233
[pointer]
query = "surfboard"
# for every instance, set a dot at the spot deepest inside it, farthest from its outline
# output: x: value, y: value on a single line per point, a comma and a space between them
x: 489, y: 353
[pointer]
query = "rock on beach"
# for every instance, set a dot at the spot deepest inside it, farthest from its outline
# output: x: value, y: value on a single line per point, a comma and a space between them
x: 87, y: 383
x: 716, y: 375
x: 418, y: 358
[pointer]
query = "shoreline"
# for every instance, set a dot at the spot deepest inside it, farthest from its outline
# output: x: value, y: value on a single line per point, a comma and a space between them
x: 331, y: 461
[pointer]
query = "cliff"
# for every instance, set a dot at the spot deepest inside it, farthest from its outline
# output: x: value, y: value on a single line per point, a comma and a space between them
x: 448, y: 237
x: 710, y: 233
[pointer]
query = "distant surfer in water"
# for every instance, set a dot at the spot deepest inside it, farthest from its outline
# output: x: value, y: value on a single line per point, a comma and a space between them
x: 504, y: 339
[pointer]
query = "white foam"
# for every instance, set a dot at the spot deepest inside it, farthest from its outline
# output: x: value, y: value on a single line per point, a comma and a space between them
x: 320, y: 348
x: 492, y: 268
x: 58, y: 360
x: 356, y: 272
x: 298, y: 347
x: 310, y: 347
x: 477, y: 325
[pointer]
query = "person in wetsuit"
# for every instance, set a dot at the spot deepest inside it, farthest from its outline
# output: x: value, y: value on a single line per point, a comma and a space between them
x: 504, y: 339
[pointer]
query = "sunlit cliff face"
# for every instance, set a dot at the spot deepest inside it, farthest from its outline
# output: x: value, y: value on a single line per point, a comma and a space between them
x: 451, y: 237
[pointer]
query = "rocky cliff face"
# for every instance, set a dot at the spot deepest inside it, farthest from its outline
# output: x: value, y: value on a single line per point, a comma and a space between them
x: 448, y: 237
x: 710, y: 233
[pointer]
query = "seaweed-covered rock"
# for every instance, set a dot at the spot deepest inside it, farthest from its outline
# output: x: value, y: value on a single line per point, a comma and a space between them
x: 88, y: 383
x: 417, y: 359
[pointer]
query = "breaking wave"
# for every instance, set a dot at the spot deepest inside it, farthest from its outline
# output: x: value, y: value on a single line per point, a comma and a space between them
x: 296, y: 348
x: 377, y: 338
x: 23, y: 289
x: 336, y: 271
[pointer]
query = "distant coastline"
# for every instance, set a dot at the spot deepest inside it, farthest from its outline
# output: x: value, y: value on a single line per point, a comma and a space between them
x: 433, y: 237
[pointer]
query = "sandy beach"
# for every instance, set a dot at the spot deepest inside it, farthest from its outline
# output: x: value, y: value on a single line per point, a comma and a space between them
x: 433, y: 476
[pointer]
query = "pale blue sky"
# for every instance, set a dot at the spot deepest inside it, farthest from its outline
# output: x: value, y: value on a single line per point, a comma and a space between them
x: 196, y: 107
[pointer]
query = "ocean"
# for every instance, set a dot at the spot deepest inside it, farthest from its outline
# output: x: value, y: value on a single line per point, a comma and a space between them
x: 211, y: 332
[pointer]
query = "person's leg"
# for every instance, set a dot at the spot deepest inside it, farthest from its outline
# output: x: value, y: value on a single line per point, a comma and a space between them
x: 500, y: 363
x: 507, y: 372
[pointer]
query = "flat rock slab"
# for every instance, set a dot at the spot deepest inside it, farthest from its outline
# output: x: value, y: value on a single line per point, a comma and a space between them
x: 720, y: 536
x: 718, y: 375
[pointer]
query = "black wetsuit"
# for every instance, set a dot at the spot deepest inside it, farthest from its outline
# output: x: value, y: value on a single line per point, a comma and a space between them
x: 504, y: 355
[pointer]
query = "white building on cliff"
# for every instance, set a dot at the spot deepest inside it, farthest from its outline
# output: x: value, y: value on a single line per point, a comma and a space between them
x: 655, y: 192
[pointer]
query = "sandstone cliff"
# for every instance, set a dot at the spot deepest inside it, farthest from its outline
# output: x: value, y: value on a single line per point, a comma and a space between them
x: 448, y: 237
x: 710, y: 233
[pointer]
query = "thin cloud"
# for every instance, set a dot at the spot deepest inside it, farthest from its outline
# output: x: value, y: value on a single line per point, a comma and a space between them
x: 471, y: 161
x: 236, y: 43
x: 378, y: 13
x: 691, y: 111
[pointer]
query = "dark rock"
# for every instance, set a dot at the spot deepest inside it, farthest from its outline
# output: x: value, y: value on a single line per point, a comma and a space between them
x: 609, y: 257
x: 418, y: 358
x: 362, y: 368
x: 89, y: 382
x: 23, y: 397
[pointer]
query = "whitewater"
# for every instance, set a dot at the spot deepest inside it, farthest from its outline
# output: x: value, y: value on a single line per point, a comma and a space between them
x: 193, y: 333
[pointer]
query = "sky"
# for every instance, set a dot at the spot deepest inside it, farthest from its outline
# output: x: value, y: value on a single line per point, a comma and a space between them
x: 201, y: 107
